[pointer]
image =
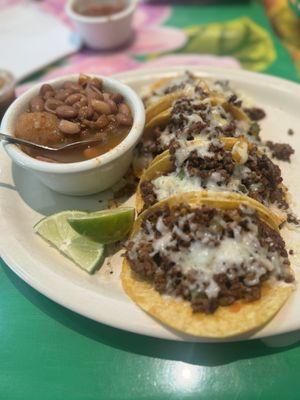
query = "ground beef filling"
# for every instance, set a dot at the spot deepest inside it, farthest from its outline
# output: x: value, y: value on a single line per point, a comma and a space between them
x: 281, y: 151
x: 262, y: 181
x: 179, y: 126
x: 200, y: 225
x: 254, y: 113
x: 188, y: 81
x: 185, y: 107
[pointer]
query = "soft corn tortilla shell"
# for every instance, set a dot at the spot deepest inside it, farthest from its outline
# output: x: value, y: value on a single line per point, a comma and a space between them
x: 223, y: 200
x: 159, y: 113
x: 159, y: 84
x: 160, y: 120
x: 161, y: 116
x: 155, y: 107
x: 162, y: 104
x: 237, y: 319
x: 162, y: 164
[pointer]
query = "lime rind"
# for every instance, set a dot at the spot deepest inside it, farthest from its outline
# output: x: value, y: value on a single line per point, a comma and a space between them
x: 85, y: 253
x: 110, y: 212
x: 105, y: 227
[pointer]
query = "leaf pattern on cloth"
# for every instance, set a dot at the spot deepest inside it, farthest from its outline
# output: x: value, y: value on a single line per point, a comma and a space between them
x: 286, y: 25
x: 241, y: 38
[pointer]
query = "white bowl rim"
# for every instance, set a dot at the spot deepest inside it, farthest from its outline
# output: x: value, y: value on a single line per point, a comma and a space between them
x: 99, y: 19
x: 127, y: 144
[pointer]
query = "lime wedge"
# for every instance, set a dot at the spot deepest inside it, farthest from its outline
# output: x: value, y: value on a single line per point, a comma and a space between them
x: 56, y: 230
x: 108, y: 226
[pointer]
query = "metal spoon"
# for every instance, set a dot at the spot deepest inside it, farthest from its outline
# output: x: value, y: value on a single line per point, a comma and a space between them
x: 14, y: 140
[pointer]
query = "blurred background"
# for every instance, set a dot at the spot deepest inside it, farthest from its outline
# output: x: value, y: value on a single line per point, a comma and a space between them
x: 48, y: 38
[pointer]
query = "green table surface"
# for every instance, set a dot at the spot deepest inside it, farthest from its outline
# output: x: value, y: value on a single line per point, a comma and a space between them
x: 50, y: 353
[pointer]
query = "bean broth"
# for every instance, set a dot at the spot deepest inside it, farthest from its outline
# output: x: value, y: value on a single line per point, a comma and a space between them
x: 71, y: 113
x: 102, y: 9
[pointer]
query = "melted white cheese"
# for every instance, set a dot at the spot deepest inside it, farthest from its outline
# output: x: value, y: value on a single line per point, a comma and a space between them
x: 180, y: 180
x: 169, y: 185
x: 240, y: 152
x: 243, y: 251
x: 183, y: 152
x: 239, y: 256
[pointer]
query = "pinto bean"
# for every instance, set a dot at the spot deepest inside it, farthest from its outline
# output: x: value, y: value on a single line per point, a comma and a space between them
x: 89, y: 124
x: 83, y: 80
x: 66, y: 112
x: 48, y: 95
x: 96, y: 89
x: 52, y: 104
x: 77, y: 106
x: 93, y: 95
x: 117, y: 98
x: 85, y: 112
x: 68, y: 127
x: 101, y: 107
x: 97, y: 82
x: 83, y: 101
x: 95, y: 116
x: 102, y: 121
x: 112, y: 105
x: 124, y: 109
x: 73, y: 98
x: 62, y: 94
x: 46, y: 88
x: 72, y: 86
x: 37, y: 104
x: 112, y: 118
x: 125, y: 120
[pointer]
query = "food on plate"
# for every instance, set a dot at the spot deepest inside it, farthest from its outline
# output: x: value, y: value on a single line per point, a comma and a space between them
x: 207, y: 254
x: 280, y: 151
x: 72, y: 112
x: 190, y: 119
x: 85, y: 253
x: 81, y: 236
x: 107, y: 226
x: 232, y: 165
x: 208, y: 265
x: 160, y: 94
x: 94, y: 9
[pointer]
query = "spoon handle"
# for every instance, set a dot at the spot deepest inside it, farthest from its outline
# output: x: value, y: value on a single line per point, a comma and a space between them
x: 14, y: 140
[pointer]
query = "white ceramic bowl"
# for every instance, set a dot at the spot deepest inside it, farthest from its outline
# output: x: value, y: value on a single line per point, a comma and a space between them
x: 105, y: 32
x: 86, y: 177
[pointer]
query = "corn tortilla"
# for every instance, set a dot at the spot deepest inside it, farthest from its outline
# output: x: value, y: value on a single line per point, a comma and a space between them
x: 239, y: 318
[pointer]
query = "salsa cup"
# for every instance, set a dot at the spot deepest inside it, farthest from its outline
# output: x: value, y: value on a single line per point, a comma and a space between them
x: 84, y: 177
x: 104, y: 32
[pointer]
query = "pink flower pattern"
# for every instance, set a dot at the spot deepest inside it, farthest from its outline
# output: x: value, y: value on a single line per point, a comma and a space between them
x: 150, y: 38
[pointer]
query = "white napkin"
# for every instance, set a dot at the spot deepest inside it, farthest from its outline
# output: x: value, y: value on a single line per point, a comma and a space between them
x: 31, y: 39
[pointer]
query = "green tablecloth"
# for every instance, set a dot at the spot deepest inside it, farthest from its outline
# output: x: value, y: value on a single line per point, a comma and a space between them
x: 48, y: 352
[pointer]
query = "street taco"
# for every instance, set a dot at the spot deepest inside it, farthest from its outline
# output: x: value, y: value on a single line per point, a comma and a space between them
x: 208, y: 265
x: 160, y: 95
x: 190, y: 119
x: 230, y: 165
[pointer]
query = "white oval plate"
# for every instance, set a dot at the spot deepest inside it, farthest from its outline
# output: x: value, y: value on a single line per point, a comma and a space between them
x: 23, y: 201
